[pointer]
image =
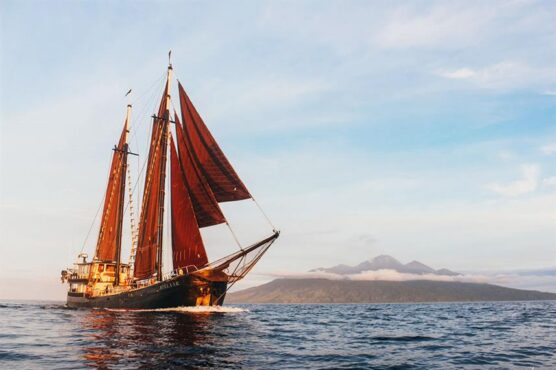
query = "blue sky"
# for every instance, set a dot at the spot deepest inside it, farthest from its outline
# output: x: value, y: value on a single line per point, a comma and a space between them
x: 425, y: 130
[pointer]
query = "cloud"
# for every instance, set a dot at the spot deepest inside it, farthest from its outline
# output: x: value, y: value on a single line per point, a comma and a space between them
x: 548, y: 149
x: 549, y: 181
x: 540, y: 279
x: 383, y: 275
x: 505, y: 155
x: 392, y: 275
x: 503, y: 75
x: 461, y: 73
x: 527, y: 184
x: 444, y: 25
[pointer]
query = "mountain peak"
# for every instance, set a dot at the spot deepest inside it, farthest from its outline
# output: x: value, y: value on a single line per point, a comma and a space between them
x: 385, y: 262
x: 384, y: 258
x: 416, y: 267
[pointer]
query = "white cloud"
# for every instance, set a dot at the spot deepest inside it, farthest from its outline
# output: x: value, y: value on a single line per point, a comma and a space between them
x: 528, y: 183
x: 548, y: 149
x: 461, y: 73
x: 541, y: 279
x: 444, y: 25
x: 392, y: 275
x: 505, y: 154
x: 382, y: 275
x: 549, y: 181
x: 503, y: 75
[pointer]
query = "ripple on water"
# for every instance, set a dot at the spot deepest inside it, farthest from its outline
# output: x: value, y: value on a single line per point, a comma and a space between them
x: 431, y: 336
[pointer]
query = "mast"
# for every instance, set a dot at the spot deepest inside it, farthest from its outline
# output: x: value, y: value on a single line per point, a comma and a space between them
x: 121, y: 200
x: 109, y: 238
x: 164, y: 144
x: 148, y: 256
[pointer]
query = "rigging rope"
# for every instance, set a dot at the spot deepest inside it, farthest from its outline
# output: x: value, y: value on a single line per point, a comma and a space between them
x: 96, y: 214
x: 135, y: 127
x: 264, y: 214
x: 234, y: 235
x: 92, y: 224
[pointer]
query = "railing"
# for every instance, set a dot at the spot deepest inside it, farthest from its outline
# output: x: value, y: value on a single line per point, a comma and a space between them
x: 166, y: 276
x: 109, y: 290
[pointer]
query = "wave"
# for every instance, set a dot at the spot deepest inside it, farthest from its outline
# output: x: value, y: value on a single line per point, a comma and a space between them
x: 186, y: 309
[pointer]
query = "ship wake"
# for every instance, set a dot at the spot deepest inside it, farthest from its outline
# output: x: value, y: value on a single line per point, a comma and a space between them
x: 187, y: 309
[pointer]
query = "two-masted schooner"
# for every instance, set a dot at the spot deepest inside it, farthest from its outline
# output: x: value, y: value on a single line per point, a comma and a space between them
x: 200, y: 179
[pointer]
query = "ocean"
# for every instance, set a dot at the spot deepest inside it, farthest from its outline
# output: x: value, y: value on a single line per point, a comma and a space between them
x: 502, y: 335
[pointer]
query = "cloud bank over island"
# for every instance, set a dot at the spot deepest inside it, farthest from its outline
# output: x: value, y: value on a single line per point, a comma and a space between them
x: 540, y: 279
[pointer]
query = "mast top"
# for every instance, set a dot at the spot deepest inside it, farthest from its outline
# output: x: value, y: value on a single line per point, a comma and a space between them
x: 170, y: 59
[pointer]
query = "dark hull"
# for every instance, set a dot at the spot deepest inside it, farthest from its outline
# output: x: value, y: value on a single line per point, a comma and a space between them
x: 184, y: 290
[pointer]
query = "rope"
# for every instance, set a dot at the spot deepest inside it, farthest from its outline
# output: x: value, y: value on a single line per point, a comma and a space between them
x: 92, y: 224
x: 234, y: 235
x: 264, y: 214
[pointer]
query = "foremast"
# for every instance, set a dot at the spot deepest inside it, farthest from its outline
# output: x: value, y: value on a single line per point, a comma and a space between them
x: 109, y: 242
x: 121, y: 200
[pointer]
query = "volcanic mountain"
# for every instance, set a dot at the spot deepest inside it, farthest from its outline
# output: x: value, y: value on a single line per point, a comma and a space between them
x: 385, y: 262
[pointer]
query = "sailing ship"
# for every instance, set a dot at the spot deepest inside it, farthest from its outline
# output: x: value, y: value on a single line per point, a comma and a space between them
x: 201, y: 178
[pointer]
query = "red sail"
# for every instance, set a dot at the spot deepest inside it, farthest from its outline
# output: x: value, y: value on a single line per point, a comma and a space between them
x: 150, y: 221
x: 113, y: 205
x: 207, y: 210
x: 187, y: 244
x: 221, y: 177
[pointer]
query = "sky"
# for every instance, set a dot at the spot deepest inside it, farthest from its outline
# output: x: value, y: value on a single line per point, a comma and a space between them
x: 425, y: 130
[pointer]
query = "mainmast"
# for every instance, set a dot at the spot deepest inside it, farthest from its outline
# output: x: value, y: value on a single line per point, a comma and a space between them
x: 148, y: 258
x: 164, y: 143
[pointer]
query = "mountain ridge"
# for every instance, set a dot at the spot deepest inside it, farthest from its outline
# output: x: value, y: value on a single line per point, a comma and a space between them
x: 379, y: 291
x: 386, y: 262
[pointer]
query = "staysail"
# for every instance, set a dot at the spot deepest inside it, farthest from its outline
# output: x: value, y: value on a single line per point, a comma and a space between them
x: 109, y: 238
x: 149, y: 247
x: 187, y: 244
x: 218, y: 172
x: 207, y: 210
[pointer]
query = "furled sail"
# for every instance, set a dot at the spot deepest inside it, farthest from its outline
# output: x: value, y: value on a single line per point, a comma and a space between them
x: 151, y: 222
x: 207, y: 210
x: 187, y: 244
x: 218, y: 172
x: 111, y: 222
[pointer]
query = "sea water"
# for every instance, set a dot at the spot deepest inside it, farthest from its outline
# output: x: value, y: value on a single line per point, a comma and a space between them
x: 38, y: 335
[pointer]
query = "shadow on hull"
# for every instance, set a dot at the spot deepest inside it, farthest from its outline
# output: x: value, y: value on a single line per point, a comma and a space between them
x: 184, y: 290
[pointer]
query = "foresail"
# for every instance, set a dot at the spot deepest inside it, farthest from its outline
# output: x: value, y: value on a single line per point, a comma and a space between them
x: 187, y: 244
x: 218, y: 172
x: 207, y: 210
x: 146, y: 257
x: 106, y: 249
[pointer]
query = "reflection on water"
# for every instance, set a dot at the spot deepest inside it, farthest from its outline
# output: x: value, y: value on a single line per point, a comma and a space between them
x: 158, y: 338
x: 417, y: 336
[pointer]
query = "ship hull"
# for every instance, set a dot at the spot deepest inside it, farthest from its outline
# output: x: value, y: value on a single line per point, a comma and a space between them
x: 185, y: 290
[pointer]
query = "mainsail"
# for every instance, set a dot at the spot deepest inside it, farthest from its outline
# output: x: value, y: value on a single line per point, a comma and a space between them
x: 187, y: 244
x: 109, y: 238
x: 148, y: 257
x: 218, y: 172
